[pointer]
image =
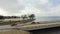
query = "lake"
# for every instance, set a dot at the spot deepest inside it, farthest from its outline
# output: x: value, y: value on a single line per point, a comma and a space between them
x: 47, y: 18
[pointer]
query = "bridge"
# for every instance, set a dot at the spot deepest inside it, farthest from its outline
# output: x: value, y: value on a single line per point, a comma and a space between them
x: 31, y: 26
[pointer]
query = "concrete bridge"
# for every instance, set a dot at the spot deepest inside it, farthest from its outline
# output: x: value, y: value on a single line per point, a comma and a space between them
x: 31, y: 26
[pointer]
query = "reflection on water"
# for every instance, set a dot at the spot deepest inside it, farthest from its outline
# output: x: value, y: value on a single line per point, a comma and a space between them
x: 55, y: 30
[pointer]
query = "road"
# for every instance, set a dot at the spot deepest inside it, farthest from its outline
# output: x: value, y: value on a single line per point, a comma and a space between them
x: 40, y: 26
x: 41, y: 31
x: 45, y: 25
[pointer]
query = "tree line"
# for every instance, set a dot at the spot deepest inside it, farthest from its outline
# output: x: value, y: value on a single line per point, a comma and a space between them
x: 30, y: 17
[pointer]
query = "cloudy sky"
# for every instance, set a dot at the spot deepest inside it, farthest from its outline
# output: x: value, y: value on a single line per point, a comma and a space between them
x: 37, y: 7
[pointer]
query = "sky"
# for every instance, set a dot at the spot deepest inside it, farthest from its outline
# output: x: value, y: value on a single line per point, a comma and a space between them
x: 37, y: 7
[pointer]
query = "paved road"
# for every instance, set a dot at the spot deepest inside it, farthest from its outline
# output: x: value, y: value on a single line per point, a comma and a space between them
x: 46, y: 25
x: 41, y: 31
x: 41, y: 26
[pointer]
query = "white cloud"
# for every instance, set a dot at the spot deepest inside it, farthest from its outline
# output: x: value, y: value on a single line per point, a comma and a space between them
x: 33, y: 10
x: 44, y: 1
x: 56, y: 11
x: 37, y: 7
x: 2, y: 12
x: 13, y: 7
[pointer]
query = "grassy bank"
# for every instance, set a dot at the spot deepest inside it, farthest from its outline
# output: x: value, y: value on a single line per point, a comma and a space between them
x: 11, y: 22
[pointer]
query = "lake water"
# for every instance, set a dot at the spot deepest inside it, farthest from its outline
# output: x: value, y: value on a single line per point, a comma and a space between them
x: 48, y: 18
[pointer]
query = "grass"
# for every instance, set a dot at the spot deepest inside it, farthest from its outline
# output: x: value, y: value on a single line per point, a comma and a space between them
x: 11, y: 22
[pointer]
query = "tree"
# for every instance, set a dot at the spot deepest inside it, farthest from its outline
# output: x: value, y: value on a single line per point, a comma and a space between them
x: 32, y: 17
x: 1, y: 17
x: 25, y: 17
x: 22, y: 17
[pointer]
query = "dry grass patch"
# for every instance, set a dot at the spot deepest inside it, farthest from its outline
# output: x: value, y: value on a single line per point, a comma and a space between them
x: 14, y: 32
